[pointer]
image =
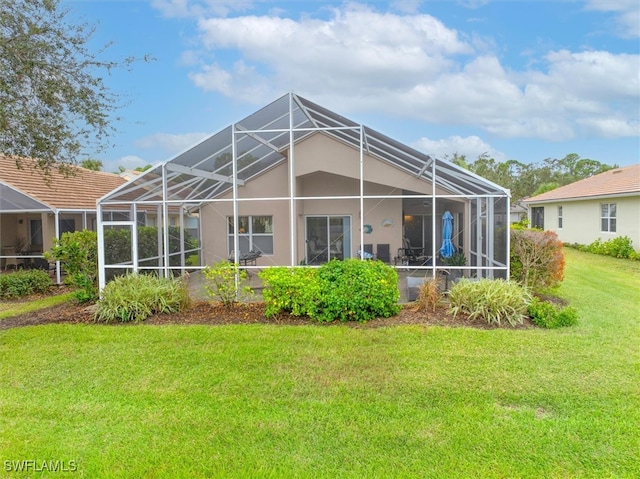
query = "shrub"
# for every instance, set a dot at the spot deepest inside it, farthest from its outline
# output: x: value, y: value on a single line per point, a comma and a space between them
x: 224, y: 282
x: 356, y: 290
x: 349, y: 290
x: 547, y: 315
x: 24, y: 283
x: 495, y: 301
x: 429, y: 295
x: 78, y: 254
x: 537, y: 260
x: 292, y: 290
x: 134, y: 297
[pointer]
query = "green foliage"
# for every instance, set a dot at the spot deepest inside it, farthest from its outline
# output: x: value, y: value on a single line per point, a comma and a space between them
x: 117, y: 244
x: 537, y: 260
x: 495, y: 301
x: 620, y: 247
x: 134, y: 297
x: 548, y: 315
x: 349, y: 290
x: 24, y: 283
x: 356, y: 290
x: 224, y: 282
x: 292, y: 290
x: 54, y: 104
x: 456, y: 259
x: 78, y: 254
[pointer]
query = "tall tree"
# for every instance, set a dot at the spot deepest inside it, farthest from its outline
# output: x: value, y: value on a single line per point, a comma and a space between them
x: 54, y: 105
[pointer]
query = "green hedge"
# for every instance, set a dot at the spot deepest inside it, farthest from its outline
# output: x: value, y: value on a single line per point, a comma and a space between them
x: 24, y: 283
x: 349, y: 290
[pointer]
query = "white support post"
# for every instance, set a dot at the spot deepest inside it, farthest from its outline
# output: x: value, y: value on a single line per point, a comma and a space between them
x: 165, y: 221
x: 159, y: 230
x: 490, y: 233
x: 292, y: 189
x: 134, y: 237
x: 57, y: 229
x: 362, y: 252
x: 508, y: 227
x: 101, y: 266
x: 434, y: 221
x: 182, y: 240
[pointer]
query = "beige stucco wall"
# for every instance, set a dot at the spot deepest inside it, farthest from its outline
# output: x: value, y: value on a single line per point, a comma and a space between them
x: 581, y: 220
x: 323, y: 167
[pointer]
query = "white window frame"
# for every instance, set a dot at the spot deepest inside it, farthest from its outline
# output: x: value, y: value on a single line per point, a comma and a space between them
x: 608, y: 217
x: 249, y: 235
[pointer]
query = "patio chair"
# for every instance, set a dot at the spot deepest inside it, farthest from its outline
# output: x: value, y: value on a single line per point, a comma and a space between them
x: 410, y: 255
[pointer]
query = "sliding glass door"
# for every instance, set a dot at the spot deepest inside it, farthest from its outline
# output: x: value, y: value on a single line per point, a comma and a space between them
x: 327, y: 238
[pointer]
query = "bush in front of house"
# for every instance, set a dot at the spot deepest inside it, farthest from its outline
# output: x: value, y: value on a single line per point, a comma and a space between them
x: 537, y: 260
x: 495, y: 301
x: 224, y: 282
x: 548, y: 315
x: 620, y: 247
x: 349, y: 290
x: 290, y: 290
x: 78, y: 254
x: 24, y: 283
x: 357, y: 290
x: 135, y: 297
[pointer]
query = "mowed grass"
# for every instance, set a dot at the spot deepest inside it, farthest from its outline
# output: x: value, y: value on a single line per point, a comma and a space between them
x: 9, y: 309
x: 315, y: 401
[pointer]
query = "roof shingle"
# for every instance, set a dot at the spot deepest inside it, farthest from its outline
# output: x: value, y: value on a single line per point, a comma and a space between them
x: 78, y: 191
x: 619, y: 181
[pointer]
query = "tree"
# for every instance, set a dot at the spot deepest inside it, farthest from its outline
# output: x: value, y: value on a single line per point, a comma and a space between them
x: 89, y: 164
x: 54, y: 105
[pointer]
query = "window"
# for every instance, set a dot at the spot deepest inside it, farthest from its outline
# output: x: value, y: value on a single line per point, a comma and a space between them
x: 608, y: 217
x: 559, y: 217
x: 35, y: 233
x: 66, y: 226
x: 255, y: 233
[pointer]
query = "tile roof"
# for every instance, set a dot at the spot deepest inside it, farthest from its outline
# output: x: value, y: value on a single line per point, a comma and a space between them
x: 79, y: 191
x: 616, y: 182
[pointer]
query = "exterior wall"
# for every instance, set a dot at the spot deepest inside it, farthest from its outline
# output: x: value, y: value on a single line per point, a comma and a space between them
x: 323, y: 167
x: 581, y: 219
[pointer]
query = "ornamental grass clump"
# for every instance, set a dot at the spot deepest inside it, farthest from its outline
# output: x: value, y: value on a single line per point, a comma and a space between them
x: 430, y: 295
x: 135, y: 297
x: 495, y: 301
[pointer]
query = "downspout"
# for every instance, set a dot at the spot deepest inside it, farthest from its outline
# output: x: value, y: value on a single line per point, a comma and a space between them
x: 57, y: 230
x: 362, y: 252
x: 292, y: 189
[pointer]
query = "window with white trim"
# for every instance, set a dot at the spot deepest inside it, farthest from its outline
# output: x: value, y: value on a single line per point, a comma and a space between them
x: 560, y: 218
x: 608, y: 217
x: 255, y: 233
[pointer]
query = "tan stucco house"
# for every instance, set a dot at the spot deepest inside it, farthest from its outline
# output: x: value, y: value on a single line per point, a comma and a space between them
x: 302, y: 185
x: 604, y: 206
x: 35, y: 209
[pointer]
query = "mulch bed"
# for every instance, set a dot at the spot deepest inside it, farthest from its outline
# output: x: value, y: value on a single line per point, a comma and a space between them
x: 246, y: 313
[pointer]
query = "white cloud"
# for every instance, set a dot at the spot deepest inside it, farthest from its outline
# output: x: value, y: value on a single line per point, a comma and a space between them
x: 170, y: 143
x: 627, y: 15
x: 471, y: 147
x: 414, y: 66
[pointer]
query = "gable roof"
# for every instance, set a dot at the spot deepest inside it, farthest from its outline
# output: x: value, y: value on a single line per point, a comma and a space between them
x: 262, y: 141
x: 617, y: 182
x: 76, y: 192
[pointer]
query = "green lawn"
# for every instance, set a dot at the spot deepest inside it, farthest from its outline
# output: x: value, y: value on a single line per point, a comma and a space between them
x: 13, y: 308
x: 275, y: 401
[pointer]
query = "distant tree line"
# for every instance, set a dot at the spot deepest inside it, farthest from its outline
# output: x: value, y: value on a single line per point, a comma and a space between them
x: 525, y: 180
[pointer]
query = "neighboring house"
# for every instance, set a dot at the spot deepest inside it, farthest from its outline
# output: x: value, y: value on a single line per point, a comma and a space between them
x: 519, y: 211
x: 35, y: 209
x: 301, y: 184
x: 604, y: 206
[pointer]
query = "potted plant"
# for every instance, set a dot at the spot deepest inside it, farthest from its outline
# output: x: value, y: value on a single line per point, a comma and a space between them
x: 456, y: 259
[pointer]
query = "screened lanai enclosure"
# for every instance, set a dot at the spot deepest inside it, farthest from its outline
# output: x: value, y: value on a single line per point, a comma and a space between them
x: 295, y: 184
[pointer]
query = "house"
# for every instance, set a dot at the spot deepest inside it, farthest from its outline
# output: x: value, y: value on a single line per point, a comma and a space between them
x: 300, y: 184
x: 35, y: 209
x: 604, y: 206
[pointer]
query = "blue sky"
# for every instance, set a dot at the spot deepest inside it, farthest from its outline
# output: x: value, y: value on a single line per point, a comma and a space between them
x: 514, y: 79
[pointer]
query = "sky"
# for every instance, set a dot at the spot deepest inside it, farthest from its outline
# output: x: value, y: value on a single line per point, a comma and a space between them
x: 512, y: 79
